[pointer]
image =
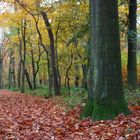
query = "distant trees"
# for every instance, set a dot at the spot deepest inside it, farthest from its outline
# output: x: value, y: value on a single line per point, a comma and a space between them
x: 39, y: 40
x: 107, y: 98
x: 2, y: 55
x: 51, y: 46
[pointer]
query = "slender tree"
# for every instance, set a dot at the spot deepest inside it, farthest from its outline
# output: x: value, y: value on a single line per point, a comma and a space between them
x: 23, y: 31
x: 20, y: 60
x: 53, y: 55
x: 52, y: 41
x: 132, y: 45
x: 11, y: 76
x: 108, y: 96
x: 1, y: 67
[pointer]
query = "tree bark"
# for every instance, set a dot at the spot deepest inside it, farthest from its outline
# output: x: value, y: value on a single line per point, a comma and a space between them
x: 1, y: 69
x: 33, y: 69
x: 56, y: 52
x: 67, y: 78
x: 10, y: 70
x: 13, y: 72
x: 20, y: 61
x: 132, y: 45
x: 77, y: 72
x: 28, y: 79
x: 84, y: 79
x: 1, y: 73
x: 53, y: 57
x: 24, y: 55
x: 76, y: 66
x: 108, y: 96
x: 49, y: 76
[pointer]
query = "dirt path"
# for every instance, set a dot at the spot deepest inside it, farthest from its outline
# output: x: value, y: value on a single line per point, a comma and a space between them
x: 25, y: 117
x: 6, y: 92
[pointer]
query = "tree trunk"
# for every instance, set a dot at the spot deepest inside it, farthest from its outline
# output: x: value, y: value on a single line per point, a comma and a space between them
x: 56, y: 52
x: 33, y: 70
x: 132, y: 45
x: 28, y: 79
x: 24, y: 55
x: 10, y: 70
x: 49, y: 76
x: 19, y: 75
x: 53, y: 57
x: 76, y: 66
x: 77, y: 76
x: 107, y: 88
x: 1, y: 69
x: 13, y: 72
x: 84, y: 79
x: 20, y: 61
x: 1, y: 73
x: 67, y: 78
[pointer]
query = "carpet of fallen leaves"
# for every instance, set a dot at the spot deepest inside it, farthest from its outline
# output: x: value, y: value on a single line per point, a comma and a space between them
x: 24, y: 117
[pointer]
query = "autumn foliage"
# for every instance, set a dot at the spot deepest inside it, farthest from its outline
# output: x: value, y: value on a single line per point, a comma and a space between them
x: 34, y: 118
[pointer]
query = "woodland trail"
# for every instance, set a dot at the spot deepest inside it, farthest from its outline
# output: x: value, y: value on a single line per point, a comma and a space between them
x: 25, y: 117
x: 4, y: 92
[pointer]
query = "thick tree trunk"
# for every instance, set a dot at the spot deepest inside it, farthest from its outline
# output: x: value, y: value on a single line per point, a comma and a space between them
x: 108, y: 88
x: 53, y: 57
x: 89, y: 105
x: 132, y: 45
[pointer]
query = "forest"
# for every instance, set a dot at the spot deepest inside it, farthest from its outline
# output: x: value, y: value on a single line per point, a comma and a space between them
x: 70, y: 70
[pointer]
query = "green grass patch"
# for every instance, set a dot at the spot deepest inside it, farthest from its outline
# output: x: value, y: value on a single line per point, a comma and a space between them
x: 40, y: 91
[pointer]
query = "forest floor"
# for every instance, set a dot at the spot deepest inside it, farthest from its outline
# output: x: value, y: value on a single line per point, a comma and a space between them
x: 26, y: 117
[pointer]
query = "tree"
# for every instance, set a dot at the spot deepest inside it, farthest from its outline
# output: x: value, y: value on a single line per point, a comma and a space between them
x: 53, y: 55
x: 12, y: 77
x: 108, y: 96
x: 132, y: 45
x: 51, y: 39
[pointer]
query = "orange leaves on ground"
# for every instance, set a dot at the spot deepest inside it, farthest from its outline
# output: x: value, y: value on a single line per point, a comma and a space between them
x: 26, y: 117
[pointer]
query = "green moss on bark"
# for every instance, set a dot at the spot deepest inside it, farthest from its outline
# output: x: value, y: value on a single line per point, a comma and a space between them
x: 108, y: 111
x: 88, y: 109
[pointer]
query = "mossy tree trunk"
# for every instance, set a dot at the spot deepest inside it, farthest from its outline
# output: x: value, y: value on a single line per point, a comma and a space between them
x: 106, y: 97
x: 132, y: 45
